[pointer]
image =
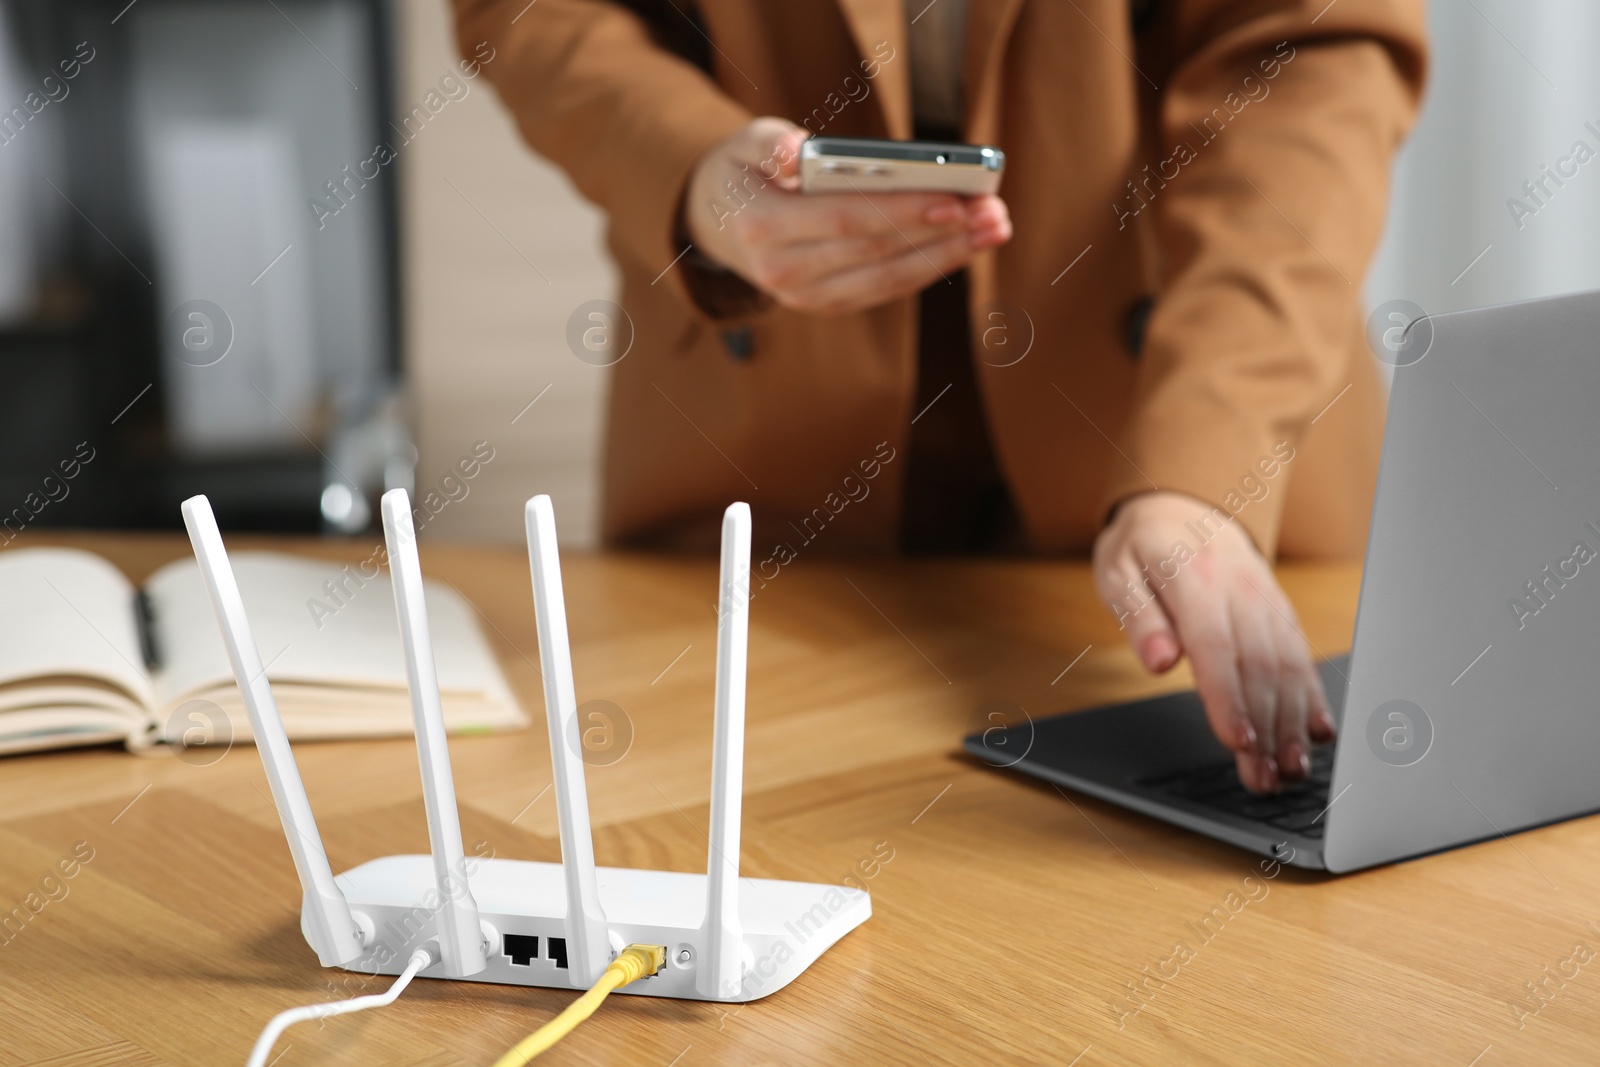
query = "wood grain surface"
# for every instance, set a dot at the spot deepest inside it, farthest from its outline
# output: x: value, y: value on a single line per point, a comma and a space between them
x: 1012, y: 923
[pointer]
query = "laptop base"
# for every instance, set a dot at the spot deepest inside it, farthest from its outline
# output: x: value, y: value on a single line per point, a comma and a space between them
x: 1159, y: 757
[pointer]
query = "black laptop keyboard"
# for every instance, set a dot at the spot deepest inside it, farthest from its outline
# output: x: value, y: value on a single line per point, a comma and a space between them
x: 1299, y: 809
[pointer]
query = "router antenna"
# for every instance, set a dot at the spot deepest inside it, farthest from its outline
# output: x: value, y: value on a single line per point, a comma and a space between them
x: 325, y: 916
x: 720, y: 972
x: 460, y: 934
x: 588, y: 940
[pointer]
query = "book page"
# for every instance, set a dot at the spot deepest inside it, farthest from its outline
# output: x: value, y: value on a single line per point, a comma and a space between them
x: 68, y: 614
x: 330, y: 640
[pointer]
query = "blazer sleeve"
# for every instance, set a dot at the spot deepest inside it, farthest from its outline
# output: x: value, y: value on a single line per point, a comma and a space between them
x: 593, y: 90
x: 1275, y: 122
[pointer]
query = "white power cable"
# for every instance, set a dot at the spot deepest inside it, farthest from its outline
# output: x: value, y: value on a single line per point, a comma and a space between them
x: 421, y: 958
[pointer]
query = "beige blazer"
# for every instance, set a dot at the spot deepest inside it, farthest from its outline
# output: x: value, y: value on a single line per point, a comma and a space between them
x: 1196, y: 188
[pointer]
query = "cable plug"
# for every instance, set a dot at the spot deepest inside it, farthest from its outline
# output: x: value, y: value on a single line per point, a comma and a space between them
x: 639, y: 961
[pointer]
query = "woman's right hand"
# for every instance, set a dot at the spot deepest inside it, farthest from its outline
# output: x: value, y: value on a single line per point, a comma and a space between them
x: 1218, y: 602
x: 831, y: 252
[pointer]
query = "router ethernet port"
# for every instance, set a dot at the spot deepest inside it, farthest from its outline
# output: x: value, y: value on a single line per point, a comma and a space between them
x: 523, y: 949
x: 558, y: 951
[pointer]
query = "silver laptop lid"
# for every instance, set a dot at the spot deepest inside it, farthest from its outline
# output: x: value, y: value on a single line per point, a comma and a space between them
x: 1475, y: 671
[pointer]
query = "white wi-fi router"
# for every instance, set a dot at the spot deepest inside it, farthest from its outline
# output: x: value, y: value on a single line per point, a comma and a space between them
x: 537, y: 924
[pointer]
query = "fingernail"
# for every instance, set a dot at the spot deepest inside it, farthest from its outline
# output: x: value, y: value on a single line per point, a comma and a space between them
x: 996, y: 233
x: 1248, y: 732
x: 1269, y: 774
x: 986, y: 238
x: 941, y: 213
x: 1298, y: 758
x: 1158, y: 651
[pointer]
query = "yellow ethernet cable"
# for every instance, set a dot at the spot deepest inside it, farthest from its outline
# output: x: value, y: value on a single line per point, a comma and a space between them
x: 634, y: 962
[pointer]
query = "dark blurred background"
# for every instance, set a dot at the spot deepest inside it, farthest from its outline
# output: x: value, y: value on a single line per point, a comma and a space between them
x: 158, y: 161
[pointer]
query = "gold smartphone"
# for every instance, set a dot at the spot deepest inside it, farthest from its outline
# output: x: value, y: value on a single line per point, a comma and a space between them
x: 864, y: 164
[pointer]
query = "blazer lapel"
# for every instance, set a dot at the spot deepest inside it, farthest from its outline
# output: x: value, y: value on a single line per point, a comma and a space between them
x: 989, y: 24
x: 870, y: 22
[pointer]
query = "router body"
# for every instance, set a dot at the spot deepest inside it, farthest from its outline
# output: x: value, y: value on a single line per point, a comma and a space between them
x: 515, y: 922
x: 787, y: 925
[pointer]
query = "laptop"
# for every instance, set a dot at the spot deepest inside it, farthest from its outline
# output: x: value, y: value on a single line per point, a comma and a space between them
x: 1469, y: 705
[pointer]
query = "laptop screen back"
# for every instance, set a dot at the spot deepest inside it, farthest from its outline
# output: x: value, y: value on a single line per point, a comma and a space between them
x: 1474, y: 700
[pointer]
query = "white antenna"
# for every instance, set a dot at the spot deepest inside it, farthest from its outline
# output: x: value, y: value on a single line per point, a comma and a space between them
x: 722, y: 969
x: 325, y: 916
x: 588, y: 941
x: 460, y: 934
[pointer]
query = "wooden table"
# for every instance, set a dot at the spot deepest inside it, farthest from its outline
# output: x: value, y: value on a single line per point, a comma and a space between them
x: 1011, y: 924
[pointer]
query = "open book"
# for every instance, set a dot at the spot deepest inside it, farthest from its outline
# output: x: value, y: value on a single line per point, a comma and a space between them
x: 86, y: 658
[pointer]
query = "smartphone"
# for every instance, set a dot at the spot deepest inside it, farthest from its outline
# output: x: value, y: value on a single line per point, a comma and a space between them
x: 846, y: 164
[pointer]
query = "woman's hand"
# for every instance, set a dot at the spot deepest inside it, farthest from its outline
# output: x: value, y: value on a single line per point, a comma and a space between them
x: 831, y: 252
x: 1219, y: 603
